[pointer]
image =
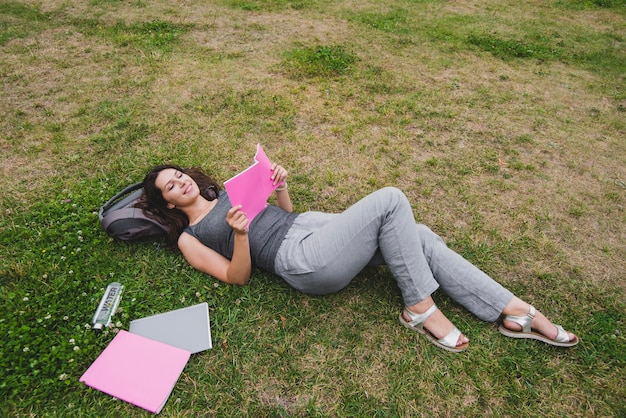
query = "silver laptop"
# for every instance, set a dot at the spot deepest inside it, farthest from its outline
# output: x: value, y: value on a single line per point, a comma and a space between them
x: 187, y: 328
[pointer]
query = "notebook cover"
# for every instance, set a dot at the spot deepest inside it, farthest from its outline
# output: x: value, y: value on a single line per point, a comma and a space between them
x: 252, y: 187
x: 137, y: 370
x: 187, y: 328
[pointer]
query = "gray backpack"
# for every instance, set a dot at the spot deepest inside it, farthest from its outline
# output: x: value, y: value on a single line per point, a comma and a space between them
x: 120, y: 219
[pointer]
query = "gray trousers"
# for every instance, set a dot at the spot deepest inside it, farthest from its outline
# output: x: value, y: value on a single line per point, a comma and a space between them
x: 322, y: 253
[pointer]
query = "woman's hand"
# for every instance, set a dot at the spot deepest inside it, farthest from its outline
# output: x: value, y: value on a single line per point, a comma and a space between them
x: 279, y: 174
x: 237, y: 220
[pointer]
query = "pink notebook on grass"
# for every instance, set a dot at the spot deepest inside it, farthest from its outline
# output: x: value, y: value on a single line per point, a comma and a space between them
x: 253, y: 186
x: 137, y: 370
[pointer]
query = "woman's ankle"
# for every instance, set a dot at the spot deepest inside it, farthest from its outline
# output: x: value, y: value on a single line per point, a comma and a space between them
x: 516, y: 307
x: 437, y: 323
x: 422, y: 306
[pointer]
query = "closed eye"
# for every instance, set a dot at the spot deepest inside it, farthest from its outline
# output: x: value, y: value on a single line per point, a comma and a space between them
x: 178, y: 175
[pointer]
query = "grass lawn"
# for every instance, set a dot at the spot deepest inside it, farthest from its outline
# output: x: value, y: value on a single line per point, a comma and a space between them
x: 504, y: 122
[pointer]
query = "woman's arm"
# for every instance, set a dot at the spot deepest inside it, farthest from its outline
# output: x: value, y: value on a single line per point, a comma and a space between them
x: 279, y: 175
x: 202, y: 258
x: 283, y: 200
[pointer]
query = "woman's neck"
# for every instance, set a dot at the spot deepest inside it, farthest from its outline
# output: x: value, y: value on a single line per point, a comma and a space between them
x: 199, y: 210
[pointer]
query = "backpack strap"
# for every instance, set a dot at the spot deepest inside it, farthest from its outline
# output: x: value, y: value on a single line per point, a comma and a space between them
x: 129, y: 213
x: 129, y: 189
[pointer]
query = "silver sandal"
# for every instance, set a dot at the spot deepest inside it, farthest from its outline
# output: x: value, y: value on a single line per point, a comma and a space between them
x: 417, y: 324
x: 561, y: 340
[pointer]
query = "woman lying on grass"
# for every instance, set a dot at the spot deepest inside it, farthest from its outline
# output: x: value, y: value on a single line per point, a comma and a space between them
x: 319, y: 253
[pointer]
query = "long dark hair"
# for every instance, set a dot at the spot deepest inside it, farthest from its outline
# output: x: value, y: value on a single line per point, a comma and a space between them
x: 155, y: 206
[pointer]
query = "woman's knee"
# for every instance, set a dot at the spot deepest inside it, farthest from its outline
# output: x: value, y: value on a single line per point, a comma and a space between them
x: 393, y: 193
x: 395, y: 198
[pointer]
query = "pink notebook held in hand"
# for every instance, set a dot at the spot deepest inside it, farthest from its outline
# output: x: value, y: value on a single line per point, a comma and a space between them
x: 253, y: 186
x: 137, y: 370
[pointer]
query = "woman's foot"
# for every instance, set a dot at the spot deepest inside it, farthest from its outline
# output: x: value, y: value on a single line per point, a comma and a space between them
x: 522, y: 320
x: 429, y: 321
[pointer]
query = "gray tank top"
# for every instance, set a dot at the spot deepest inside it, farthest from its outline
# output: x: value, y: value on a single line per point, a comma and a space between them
x: 267, y: 231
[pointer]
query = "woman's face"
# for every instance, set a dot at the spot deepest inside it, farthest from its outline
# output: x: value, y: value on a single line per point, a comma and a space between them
x: 177, y: 188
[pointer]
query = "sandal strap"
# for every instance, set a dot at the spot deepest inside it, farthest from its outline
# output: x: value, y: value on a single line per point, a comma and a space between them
x: 417, y: 320
x: 451, y: 339
x: 523, y: 321
x: 562, y: 336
